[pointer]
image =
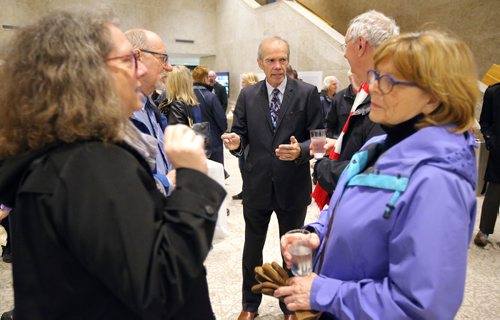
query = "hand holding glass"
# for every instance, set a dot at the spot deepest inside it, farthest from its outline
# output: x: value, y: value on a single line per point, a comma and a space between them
x: 300, y: 251
x: 318, y: 140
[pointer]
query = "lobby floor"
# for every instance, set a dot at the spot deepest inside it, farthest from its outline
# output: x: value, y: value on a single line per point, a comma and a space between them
x: 482, y: 292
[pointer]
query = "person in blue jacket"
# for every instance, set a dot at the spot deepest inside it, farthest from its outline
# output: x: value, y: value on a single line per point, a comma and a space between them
x: 393, y: 242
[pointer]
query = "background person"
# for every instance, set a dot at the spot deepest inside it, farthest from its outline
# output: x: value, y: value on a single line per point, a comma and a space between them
x: 181, y: 105
x: 292, y: 73
x: 407, y: 192
x: 218, y: 89
x: 490, y: 127
x: 341, y: 107
x: 85, y: 200
x: 211, y: 112
x: 330, y: 86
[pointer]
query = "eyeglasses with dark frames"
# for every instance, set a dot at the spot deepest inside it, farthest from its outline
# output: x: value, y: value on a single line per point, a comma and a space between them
x: 131, y: 57
x: 163, y: 55
x: 386, y: 82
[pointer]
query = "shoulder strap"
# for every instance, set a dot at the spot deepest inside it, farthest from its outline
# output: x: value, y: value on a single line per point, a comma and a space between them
x: 197, y: 114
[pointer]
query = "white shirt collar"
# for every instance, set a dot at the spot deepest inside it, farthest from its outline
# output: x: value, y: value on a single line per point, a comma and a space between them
x: 281, y: 88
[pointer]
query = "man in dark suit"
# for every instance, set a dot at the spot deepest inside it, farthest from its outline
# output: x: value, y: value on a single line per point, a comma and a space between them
x: 490, y: 127
x: 272, y: 118
x: 219, y: 89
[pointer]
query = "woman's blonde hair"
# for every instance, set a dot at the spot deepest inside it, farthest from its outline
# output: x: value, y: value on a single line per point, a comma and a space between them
x: 56, y: 84
x: 249, y: 78
x: 441, y: 65
x: 180, y: 86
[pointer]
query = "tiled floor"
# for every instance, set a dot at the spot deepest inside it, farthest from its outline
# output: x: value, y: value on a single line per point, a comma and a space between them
x: 482, y: 295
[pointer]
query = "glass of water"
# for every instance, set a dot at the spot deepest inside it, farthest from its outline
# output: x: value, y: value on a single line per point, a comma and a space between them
x: 301, y: 252
x: 318, y: 140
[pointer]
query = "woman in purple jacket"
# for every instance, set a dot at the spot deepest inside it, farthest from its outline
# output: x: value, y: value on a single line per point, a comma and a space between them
x: 393, y: 242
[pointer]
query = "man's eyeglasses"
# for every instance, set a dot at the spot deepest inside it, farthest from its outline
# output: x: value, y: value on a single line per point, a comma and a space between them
x: 385, y: 82
x: 343, y: 46
x: 130, y: 58
x: 164, y: 56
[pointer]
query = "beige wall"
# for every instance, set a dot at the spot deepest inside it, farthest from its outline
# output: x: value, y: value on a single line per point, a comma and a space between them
x: 226, y: 33
x: 241, y: 28
x: 475, y: 21
x: 179, y: 19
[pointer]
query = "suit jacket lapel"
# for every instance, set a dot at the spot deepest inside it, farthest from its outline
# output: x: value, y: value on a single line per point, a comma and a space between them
x: 287, y: 99
x: 262, y: 101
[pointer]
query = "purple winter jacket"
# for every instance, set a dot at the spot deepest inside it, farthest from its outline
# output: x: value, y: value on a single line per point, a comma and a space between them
x: 411, y: 264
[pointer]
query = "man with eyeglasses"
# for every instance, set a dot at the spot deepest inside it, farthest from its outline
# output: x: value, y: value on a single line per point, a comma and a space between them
x: 149, y: 120
x: 364, y: 34
x: 273, y: 118
x: 153, y: 55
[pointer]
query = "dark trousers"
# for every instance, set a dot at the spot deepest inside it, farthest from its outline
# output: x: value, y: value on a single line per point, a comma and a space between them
x: 256, y: 224
x: 489, y: 211
x: 217, y: 154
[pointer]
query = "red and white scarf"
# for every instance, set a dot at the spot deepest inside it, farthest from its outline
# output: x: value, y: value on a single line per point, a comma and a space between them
x: 319, y: 195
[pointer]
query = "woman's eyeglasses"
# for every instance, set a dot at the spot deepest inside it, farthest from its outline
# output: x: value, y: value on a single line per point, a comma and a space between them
x: 385, y: 82
x: 130, y: 58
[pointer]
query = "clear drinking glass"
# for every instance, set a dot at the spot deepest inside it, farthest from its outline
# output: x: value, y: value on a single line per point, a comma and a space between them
x: 318, y: 140
x: 301, y: 252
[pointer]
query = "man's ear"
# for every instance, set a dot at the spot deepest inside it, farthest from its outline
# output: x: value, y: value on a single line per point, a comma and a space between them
x: 259, y: 62
x: 362, y: 45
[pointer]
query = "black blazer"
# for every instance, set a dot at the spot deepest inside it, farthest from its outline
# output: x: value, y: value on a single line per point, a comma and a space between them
x: 490, y: 127
x: 300, y: 112
x: 220, y: 92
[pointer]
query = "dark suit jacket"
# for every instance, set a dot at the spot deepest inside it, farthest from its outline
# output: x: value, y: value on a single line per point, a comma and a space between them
x: 490, y: 127
x: 299, y: 113
x: 220, y: 92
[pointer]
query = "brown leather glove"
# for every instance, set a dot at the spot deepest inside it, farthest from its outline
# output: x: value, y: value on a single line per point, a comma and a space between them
x: 271, y: 276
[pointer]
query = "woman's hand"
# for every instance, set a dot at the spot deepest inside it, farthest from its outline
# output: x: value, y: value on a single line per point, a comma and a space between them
x: 184, y: 148
x: 286, y: 241
x: 297, y: 294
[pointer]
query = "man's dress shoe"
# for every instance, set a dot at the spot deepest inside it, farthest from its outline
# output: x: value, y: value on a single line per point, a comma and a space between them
x: 247, y: 315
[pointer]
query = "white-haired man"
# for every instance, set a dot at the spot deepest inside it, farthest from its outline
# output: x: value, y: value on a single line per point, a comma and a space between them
x: 364, y: 34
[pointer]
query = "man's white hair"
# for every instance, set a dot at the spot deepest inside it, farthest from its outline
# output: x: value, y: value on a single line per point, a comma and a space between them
x: 329, y: 80
x: 374, y: 26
